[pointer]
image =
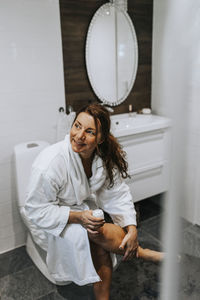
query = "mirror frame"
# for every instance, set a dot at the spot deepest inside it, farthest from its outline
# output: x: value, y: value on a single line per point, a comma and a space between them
x: 135, y: 53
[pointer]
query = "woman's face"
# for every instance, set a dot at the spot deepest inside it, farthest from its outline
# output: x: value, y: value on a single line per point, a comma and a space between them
x: 83, y: 135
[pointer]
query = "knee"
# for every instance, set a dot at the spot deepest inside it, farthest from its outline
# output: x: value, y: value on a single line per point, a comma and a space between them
x: 96, y: 237
x: 110, y: 233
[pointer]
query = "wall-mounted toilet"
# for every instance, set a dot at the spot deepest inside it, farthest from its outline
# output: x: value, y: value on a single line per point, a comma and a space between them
x: 24, y: 155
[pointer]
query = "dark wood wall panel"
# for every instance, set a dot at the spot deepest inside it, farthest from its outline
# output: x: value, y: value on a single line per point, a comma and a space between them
x: 75, y: 20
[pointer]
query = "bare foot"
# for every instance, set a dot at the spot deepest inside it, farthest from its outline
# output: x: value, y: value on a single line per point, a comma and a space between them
x: 150, y: 255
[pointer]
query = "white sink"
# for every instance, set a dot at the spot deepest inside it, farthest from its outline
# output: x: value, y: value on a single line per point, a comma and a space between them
x: 125, y: 124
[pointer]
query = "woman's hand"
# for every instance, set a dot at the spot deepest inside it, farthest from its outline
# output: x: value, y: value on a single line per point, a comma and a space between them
x: 130, y: 242
x: 91, y: 223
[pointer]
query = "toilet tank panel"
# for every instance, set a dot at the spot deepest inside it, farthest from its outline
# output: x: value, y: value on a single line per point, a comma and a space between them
x: 24, y: 155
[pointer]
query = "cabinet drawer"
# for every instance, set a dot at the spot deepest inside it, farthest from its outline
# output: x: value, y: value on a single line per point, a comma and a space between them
x: 149, y: 181
x: 144, y: 149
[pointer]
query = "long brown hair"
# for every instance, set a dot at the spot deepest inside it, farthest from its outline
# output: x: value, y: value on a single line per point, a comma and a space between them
x: 109, y: 150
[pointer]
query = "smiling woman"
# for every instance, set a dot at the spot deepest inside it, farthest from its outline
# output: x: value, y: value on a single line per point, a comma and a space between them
x: 69, y: 180
x: 107, y: 146
x: 83, y: 135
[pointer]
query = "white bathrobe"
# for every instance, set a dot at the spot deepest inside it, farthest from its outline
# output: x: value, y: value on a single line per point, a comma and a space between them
x: 59, y: 184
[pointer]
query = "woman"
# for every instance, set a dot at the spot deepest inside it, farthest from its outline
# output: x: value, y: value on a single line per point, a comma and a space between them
x: 71, y: 178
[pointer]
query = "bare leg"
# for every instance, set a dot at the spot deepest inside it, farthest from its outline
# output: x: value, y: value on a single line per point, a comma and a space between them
x: 103, y: 265
x: 110, y: 237
x: 108, y: 240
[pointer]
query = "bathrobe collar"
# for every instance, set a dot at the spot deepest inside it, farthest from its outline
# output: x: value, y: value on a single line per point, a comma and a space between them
x: 81, y: 185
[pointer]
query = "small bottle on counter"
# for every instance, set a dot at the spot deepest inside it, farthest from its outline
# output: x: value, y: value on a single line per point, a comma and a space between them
x: 130, y: 111
x: 146, y: 111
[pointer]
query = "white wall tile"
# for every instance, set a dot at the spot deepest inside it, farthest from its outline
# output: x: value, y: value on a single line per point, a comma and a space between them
x: 12, y: 230
x: 31, y: 91
x: 12, y: 242
x: 5, y: 208
x: 23, y: 70
x: 10, y: 219
x: 5, y: 194
x: 24, y: 22
x: 5, y: 175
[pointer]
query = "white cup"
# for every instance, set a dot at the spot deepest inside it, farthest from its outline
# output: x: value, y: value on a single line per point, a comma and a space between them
x: 98, y: 213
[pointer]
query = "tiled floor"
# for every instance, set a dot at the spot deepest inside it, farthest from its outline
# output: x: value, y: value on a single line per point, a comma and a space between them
x: 133, y: 280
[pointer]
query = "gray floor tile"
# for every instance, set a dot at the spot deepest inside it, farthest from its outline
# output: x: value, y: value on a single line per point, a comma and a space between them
x: 148, y: 241
x: 25, y: 285
x: 14, y: 261
x: 56, y: 296
x: 184, y: 224
x: 135, y: 279
x: 75, y: 292
x: 185, y: 296
x: 50, y: 296
x: 191, y: 241
x: 189, y: 277
x: 153, y: 226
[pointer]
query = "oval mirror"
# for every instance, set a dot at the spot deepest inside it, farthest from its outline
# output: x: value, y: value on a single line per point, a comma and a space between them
x: 111, y: 54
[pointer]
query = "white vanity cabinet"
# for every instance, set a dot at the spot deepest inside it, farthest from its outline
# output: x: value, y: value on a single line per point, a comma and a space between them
x: 146, y: 140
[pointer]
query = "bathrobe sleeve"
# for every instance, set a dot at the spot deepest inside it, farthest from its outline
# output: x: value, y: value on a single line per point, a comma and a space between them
x: 42, y: 206
x: 117, y: 202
